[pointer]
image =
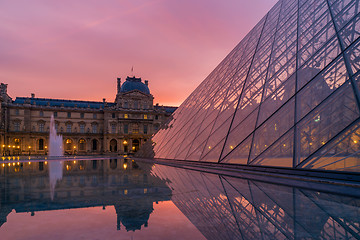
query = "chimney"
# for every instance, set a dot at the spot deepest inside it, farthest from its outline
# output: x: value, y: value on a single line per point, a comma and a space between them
x: 33, y: 95
x: 146, y: 82
x: 118, y: 85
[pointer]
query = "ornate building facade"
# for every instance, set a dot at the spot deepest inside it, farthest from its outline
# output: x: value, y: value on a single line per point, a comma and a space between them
x: 88, y: 127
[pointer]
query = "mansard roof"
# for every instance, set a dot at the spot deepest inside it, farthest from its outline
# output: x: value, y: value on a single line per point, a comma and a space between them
x: 61, y: 102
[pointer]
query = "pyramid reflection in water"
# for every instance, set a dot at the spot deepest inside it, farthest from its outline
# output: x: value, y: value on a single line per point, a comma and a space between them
x: 286, y: 96
x: 224, y: 207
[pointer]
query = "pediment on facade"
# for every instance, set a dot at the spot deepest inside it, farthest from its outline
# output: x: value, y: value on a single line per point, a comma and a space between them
x: 134, y: 93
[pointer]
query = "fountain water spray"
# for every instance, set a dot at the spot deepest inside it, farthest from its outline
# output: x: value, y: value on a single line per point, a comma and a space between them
x: 55, y: 141
x: 55, y: 150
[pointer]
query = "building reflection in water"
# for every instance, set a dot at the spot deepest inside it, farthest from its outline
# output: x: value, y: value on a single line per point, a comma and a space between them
x: 45, y: 186
x: 223, y: 207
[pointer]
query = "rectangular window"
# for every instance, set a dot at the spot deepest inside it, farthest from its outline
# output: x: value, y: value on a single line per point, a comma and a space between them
x: 17, y: 112
x: 113, y: 115
x: 55, y: 114
x: 145, y: 129
x: 126, y: 128
x: 41, y: 127
x: 69, y: 114
x: 82, y: 128
x: 156, y: 117
x: 126, y: 105
x: 145, y: 116
x: 113, y: 128
x: 94, y: 129
x: 57, y: 127
x: 135, y: 128
x: 16, y: 126
x: 126, y: 115
x: 82, y: 115
x: 94, y: 116
x: 68, y: 128
x: 41, y: 113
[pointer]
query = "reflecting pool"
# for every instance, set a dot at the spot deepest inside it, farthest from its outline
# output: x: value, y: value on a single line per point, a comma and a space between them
x: 125, y: 199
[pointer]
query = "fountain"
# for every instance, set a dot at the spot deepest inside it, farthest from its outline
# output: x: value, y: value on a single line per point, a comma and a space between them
x: 55, y: 151
x: 55, y: 141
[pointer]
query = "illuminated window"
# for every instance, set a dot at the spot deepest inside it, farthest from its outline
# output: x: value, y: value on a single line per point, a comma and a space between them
x: 68, y: 145
x: 135, y: 128
x: 17, y: 142
x: 82, y: 145
x: 145, y: 116
x: 126, y: 115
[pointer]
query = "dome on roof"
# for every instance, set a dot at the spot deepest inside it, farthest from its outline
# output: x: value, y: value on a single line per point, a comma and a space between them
x: 133, y: 83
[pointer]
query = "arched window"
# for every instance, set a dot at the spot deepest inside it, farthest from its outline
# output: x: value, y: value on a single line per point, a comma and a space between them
x: 82, y: 145
x: 113, y: 145
x: 68, y: 144
x: 135, y: 145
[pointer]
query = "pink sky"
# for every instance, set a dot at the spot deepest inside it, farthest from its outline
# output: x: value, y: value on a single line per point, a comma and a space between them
x: 165, y: 222
x: 76, y: 49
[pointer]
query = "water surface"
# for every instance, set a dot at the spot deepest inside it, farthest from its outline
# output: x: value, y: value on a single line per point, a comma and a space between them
x: 124, y: 199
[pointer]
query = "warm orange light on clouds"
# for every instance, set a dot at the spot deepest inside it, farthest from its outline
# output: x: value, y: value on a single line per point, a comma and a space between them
x: 77, y: 49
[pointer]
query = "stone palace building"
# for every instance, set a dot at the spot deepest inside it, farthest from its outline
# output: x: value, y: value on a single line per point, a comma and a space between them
x: 87, y: 127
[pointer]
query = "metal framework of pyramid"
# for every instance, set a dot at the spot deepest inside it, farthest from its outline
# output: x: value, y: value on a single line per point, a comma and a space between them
x: 286, y: 96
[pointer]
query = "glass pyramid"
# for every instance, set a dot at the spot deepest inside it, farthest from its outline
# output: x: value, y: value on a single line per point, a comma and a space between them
x: 287, y: 95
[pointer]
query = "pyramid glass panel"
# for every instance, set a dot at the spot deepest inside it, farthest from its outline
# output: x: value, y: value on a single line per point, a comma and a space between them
x: 293, y: 81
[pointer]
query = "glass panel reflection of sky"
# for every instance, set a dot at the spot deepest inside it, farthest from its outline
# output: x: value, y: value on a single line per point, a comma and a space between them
x: 124, y: 199
x: 295, y: 62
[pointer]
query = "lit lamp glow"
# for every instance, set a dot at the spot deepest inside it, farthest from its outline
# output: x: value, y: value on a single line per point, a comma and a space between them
x: 125, y: 166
